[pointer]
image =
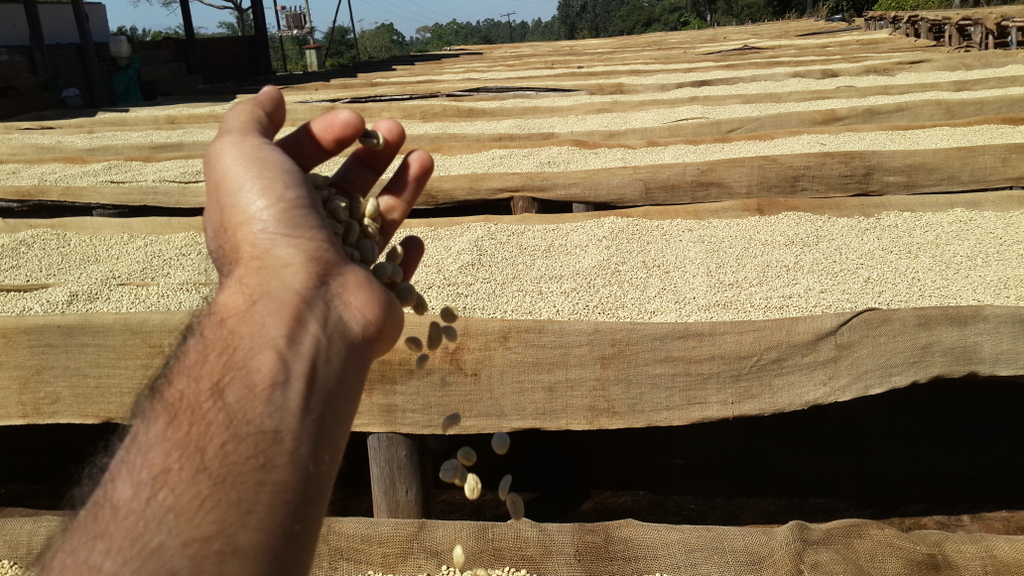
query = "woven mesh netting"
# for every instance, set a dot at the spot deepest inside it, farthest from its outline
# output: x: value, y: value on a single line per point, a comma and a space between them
x: 354, y: 546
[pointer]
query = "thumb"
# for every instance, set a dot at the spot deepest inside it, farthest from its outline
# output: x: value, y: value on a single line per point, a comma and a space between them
x: 262, y: 115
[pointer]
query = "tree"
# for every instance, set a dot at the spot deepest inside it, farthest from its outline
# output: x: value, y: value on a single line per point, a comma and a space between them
x: 382, y: 42
x: 541, y: 31
x: 232, y: 5
x: 229, y: 28
x: 294, y: 55
x: 570, y: 18
x: 134, y: 34
x: 343, y: 50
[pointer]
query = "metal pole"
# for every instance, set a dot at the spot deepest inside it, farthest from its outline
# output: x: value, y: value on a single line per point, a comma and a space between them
x: 355, y: 39
x: 509, y: 16
x: 334, y: 23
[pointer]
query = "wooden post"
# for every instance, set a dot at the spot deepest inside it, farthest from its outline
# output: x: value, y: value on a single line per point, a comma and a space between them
x: 92, y: 66
x: 579, y: 208
x: 191, y: 60
x: 1013, y: 37
x: 524, y: 205
x: 395, y: 476
x: 36, y: 38
x: 259, y: 24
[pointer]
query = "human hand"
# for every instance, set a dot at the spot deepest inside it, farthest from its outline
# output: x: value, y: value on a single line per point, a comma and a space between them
x: 265, y: 231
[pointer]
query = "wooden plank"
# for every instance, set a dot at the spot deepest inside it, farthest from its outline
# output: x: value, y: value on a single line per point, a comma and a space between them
x: 793, y: 175
x: 967, y: 112
x: 522, y: 204
x: 169, y: 196
x: 87, y: 225
x: 520, y: 374
x: 395, y: 478
x: 372, y: 546
x: 863, y: 206
x: 109, y: 359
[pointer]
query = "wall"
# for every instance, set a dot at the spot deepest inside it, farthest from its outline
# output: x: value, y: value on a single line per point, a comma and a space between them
x: 58, y: 23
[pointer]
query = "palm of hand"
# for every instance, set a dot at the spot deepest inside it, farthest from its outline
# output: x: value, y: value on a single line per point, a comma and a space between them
x: 261, y: 219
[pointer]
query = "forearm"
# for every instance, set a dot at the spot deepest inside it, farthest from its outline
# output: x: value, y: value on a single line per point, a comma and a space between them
x: 229, y: 468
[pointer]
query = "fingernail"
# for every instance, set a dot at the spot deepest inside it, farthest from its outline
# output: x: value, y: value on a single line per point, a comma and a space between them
x: 264, y: 89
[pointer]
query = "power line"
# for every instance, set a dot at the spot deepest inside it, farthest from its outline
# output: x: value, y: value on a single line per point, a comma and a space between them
x: 402, y: 16
x: 400, y: 7
x: 434, y: 11
x: 509, y: 16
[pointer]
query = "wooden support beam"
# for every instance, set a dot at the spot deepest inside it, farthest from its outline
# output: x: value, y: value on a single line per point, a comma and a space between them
x: 1013, y: 37
x: 259, y: 23
x: 524, y: 205
x: 36, y: 39
x: 98, y: 96
x: 191, y: 57
x: 395, y: 476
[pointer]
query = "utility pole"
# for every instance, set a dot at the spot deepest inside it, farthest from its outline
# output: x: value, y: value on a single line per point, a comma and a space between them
x: 309, y: 19
x: 355, y: 39
x: 280, y: 38
x: 259, y: 24
x: 334, y: 23
x: 509, y: 16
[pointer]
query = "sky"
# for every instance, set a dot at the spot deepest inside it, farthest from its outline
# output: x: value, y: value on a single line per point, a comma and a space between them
x: 406, y: 15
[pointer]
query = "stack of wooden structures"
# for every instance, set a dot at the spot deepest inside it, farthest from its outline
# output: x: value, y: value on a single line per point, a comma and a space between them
x: 982, y: 29
x: 709, y: 93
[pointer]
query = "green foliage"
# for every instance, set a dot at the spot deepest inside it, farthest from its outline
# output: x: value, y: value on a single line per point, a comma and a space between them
x: 382, y: 42
x: 294, y: 55
x: 237, y: 7
x: 644, y: 16
x: 541, y: 31
x: 136, y: 34
x: 230, y: 28
x: 901, y: 5
x: 342, y: 50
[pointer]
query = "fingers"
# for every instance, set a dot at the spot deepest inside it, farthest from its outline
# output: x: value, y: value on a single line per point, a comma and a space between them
x: 412, y: 247
x: 262, y: 115
x: 322, y: 138
x: 401, y: 192
x: 364, y: 166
